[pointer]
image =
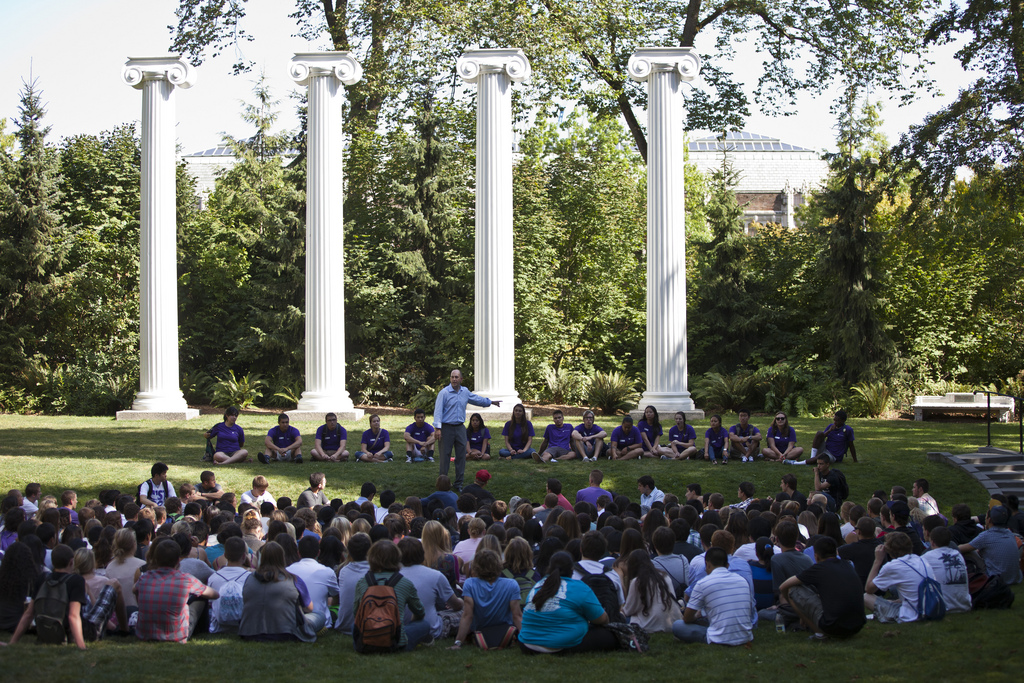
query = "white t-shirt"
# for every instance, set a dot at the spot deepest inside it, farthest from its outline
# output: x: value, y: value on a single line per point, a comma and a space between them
x: 320, y: 581
x: 216, y: 582
x: 251, y: 498
x: 951, y: 572
x: 904, y: 575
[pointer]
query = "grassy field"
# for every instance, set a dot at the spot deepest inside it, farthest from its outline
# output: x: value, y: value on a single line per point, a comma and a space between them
x: 90, y: 454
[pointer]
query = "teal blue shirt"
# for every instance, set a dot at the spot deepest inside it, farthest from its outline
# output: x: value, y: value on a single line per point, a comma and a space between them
x: 564, y: 619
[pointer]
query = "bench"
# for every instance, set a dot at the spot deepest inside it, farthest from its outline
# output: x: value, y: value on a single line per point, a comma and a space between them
x: 1002, y: 406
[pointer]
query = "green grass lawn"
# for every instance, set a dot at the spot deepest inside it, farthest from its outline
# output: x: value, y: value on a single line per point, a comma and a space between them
x: 90, y: 454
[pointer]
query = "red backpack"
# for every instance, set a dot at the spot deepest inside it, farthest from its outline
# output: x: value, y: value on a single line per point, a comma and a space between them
x: 378, y: 621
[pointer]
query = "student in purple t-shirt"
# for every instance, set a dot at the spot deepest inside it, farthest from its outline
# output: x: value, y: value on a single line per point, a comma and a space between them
x: 518, y: 434
x: 594, y: 491
x: 744, y: 438
x: 651, y: 433
x: 714, y: 441
x: 331, y: 439
x: 781, y: 441
x: 836, y: 438
x: 682, y: 440
x: 588, y: 438
x: 626, y: 441
x: 282, y: 443
x: 376, y: 443
x: 478, y: 439
x: 557, y: 442
x: 230, y: 439
x: 419, y: 439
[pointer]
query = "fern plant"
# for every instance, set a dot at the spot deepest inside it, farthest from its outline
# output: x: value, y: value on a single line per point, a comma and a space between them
x: 564, y: 386
x: 726, y: 392
x: 238, y: 391
x: 871, y: 398
x: 612, y: 392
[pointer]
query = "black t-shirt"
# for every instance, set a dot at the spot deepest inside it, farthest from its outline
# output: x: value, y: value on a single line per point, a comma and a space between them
x: 11, y: 611
x: 685, y: 549
x: 800, y: 498
x: 919, y: 548
x: 963, y: 531
x: 862, y: 553
x: 842, y: 597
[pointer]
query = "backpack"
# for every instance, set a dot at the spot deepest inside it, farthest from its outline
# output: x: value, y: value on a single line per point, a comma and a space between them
x: 604, y: 589
x: 844, y: 489
x: 378, y: 622
x: 989, y: 592
x: 930, y: 604
x: 51, y: 610
x: 138, y: 491
x: 526, y: 581
x: 208, y: 456
x: 229, y: 605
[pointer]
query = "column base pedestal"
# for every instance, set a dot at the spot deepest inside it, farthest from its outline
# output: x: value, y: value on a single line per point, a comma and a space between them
x: 667, y: 404
x: 168, y: 415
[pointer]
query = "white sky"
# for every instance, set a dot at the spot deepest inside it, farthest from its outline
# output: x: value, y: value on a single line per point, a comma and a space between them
x: 76, y: 51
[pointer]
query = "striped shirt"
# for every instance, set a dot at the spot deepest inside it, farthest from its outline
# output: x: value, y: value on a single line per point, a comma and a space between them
x: 725, y: 599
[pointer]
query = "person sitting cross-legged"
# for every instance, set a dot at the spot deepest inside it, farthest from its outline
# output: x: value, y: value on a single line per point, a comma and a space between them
x: 557, y: 444
x: 588, y: 438
x: 903, y: 573
x: 419, y: 439
x: 330, y: 441
x: 491, y: 612
x: 63, y: 559
x: 725, y: 599
x: 385, y: 560
x: 376, y: 443
x: 282, y: 443
x: 163, y: 594
x: 273, y: 600
x: 827, y: 595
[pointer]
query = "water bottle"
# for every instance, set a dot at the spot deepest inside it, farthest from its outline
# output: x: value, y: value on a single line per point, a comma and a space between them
x: 780, y: 623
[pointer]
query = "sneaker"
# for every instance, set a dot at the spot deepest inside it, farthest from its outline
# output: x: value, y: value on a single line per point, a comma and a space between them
x: 817, y: 637
x: 430, y: 459
x: 408, y: 457
x: 725, y: 461
x: 789, y: 462
x: 553, y: 461
x: 714, y: 462
x: 665, y: 457
x: 262, y: 457
x: 536, y: 456
x: 298, y: 460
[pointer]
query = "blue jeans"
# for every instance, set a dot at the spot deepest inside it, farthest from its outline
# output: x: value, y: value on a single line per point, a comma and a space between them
x: 716, y: 452
x: 416, y: 631
x: 690, y: 633
x: 360, y: 454
x: 525, y: 455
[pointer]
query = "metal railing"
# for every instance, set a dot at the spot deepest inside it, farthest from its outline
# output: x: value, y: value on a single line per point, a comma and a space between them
x: 1017, y: 408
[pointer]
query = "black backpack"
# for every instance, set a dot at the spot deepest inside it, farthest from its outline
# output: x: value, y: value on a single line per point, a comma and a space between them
x: 989, y: 592
x: 844, y: 489
x: 604, y: 589
x: 50, y: 608
x: 152, y: 486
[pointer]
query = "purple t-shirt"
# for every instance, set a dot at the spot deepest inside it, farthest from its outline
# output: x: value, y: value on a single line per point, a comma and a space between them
x: 516, y: 437
x: 626, y: 439
x: 781, y: 439
x: 475, y: 440
x: 375, y: 444
x: 837, y: 441
x: 419, y: 433
x: 285, y: 438
x: 651, y: 431
x: 686, y: 436
x: 558, y: 436
x: 229, y: 439
x: 594, y: 429
x: 716, y: 440
x: 331, y: 441
x: 591, y: 494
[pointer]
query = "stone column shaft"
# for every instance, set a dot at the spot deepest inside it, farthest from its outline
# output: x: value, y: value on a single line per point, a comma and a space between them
x: 494, y: 71
x: 159, y: 390
x: 664, y: 70
x: 324, y: 73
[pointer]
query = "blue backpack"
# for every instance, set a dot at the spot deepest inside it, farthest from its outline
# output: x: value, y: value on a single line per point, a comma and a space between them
x: 930, y: 604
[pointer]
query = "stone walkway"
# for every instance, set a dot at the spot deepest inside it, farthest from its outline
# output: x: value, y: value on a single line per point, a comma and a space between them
x: 997, y: 469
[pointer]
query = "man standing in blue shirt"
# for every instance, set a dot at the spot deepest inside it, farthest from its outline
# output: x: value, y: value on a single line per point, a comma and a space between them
x: 450, y: 424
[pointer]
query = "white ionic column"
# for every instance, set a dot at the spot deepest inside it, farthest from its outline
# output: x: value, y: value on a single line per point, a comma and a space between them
x: 665, y: 69
x: 159, y: 394
x: 494, y: 365
x: 324, y: 73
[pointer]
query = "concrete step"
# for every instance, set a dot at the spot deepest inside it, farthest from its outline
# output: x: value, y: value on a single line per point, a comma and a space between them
x: 1000, y: 467
x: 992, y: 458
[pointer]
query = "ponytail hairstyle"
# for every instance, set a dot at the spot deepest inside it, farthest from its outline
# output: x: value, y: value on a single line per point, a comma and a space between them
x: 559, y: 567
x: 765, y: 550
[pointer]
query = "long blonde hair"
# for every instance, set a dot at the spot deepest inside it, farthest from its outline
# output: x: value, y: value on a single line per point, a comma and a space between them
x: 124, y: 545
x: 436, y: 542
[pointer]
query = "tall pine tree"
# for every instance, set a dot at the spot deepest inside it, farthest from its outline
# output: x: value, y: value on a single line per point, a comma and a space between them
x: 728, y: 315
x: 29, y: 227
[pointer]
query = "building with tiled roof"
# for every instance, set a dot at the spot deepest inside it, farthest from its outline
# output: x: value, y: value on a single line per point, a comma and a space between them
x: 774, y: 176
x: 205, y: 166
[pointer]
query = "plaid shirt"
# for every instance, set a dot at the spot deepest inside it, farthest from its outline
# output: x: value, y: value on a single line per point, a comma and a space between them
x: 163, y: 604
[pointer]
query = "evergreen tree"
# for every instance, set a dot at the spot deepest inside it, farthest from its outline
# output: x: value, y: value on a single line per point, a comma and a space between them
x: 29, y: 227
x: 851, y: 248
x: 725, y: 328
